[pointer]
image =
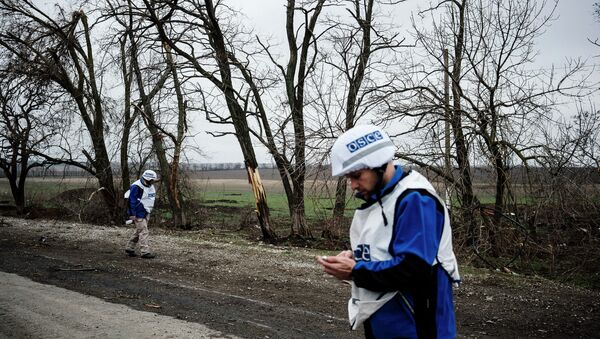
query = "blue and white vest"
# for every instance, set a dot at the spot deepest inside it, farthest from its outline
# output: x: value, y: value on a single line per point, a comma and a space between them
x: 368, y: 228
x: 148, y: 195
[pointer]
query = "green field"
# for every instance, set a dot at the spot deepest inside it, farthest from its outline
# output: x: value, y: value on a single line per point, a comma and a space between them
x: 217, y: 192
x: 316, y: 207
x: 238, y: 193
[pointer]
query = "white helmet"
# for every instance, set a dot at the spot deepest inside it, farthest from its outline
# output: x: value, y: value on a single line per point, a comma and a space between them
x: 363, y: 146
x: 150, y: 175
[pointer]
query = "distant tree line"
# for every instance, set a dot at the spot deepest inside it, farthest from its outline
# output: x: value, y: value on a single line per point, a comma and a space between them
x: 73, y: 171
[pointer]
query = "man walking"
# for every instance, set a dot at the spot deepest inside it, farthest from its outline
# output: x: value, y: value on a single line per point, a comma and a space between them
x: 402, y: 266
x: 141, y: 196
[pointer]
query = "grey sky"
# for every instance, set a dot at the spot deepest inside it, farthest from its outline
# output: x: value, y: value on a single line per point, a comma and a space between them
x: 565, y: 39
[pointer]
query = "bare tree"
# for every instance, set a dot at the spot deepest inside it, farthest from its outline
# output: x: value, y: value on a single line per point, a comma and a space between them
x: 574, y: 143
x: 149, y: 70
x: 169, y: 170
x: 564, y: 181
x: 202, y: 18
x: 61, y: 50
x: 421, y: 104
x: 497, y: 98
x: 305, y: 77
x: 505, y: 99
x: 177, y: 138
x: 26, y: 127
x: 299, y: 65
x: 355, y: 42
x: 282, y: 130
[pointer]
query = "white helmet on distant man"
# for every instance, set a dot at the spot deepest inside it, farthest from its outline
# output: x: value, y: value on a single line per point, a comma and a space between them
x: 150, y: 175
x: 363, y: 146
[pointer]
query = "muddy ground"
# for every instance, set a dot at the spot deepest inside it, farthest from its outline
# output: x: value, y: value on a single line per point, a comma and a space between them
x: 248, y: 289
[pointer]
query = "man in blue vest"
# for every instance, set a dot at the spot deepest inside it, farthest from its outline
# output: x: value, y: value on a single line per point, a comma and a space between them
x: 402, y: 266
x: 140, y: 197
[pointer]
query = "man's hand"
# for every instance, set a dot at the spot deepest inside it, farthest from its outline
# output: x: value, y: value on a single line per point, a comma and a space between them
x: 346, y: 254
x: 339, y: 266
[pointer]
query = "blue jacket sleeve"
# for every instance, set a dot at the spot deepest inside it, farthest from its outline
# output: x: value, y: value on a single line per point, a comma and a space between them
x: 418, y: 225
x: 135, y: 205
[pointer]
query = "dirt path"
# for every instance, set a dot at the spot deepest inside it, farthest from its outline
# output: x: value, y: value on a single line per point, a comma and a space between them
x: 34, y: 310
x: 236, y: 287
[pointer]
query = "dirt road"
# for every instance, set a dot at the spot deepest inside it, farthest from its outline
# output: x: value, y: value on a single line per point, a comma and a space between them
x: 33, y: 310
x: 221, y: 284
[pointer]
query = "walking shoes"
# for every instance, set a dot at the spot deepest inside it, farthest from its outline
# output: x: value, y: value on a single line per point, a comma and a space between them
x: 147, y: 255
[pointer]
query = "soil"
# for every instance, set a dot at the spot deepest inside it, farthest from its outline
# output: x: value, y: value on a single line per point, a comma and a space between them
x: 241, y: 287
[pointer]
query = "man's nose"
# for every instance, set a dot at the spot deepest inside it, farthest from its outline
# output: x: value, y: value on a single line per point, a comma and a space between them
x: 353, y: 184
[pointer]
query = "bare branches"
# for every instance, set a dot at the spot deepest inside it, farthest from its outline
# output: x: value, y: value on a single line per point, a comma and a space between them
x: 60, y: 50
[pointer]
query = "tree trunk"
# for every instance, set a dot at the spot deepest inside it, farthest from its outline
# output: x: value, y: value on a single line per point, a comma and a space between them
x: 19, y: 197
x: 102, y: 162
x: 339, y: 207
x: 18, y: 193
x: 299, y: 65
x: 354, y: 85
x: 299, y: 214
x: 239, y: 121
x: 461, y: 144
x: 465, y: 178
x: 340, y: 198
x: 501, y: 183
x: 105, y: 179
x: 262, y: 208
x: 178, y: 140
x: 170, y: 180
x: 127, y: 118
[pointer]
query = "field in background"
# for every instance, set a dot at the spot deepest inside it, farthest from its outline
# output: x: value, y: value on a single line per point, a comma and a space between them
x: 213, y: 189
x: 43, y: 190
x: 237, y: 192
x: 225, y: 188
